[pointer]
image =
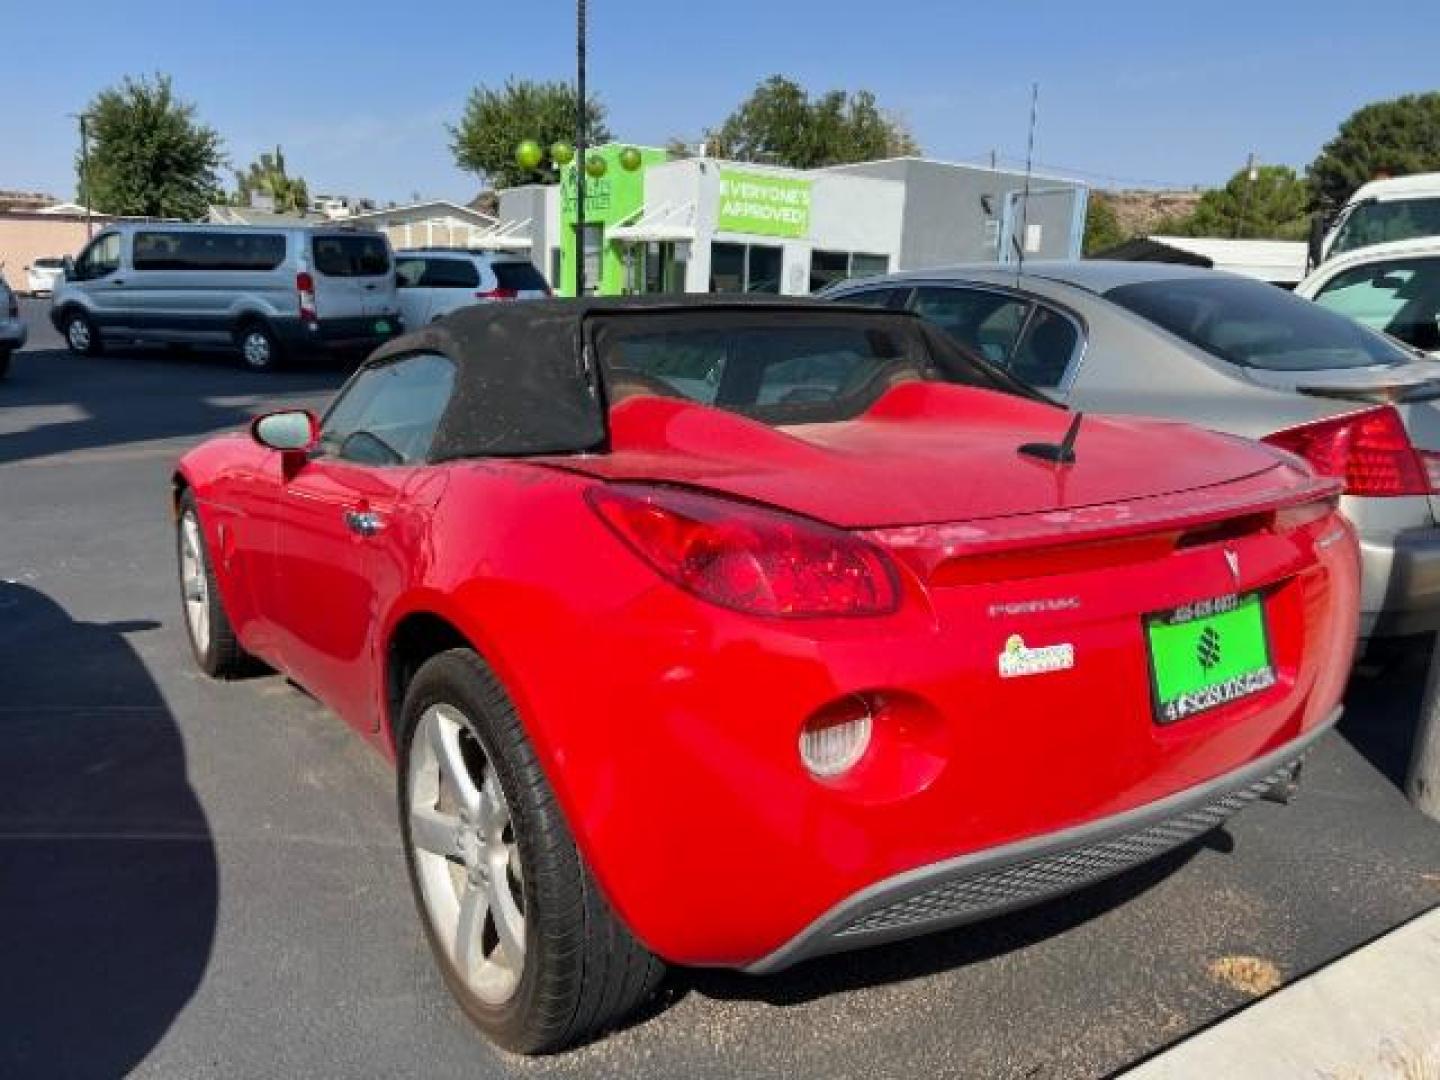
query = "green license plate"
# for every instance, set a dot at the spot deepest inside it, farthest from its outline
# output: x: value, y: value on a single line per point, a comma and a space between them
x: 1208, y: 654
x: 382, y: 327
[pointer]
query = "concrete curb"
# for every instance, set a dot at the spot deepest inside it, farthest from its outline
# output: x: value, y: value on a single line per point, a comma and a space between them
x: 1376, y: 1013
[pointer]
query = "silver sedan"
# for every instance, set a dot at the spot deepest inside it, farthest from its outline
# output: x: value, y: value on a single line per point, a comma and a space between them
x: 1232, y: 354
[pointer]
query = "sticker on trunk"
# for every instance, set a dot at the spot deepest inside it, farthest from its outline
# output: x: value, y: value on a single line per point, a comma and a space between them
x: 1019, y: 659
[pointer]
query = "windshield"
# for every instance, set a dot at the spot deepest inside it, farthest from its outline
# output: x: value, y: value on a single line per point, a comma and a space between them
x: 1382, y: 222
x: 1253, y: 324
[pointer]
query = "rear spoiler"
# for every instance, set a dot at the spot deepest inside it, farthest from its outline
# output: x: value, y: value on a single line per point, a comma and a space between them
x: 1378, y: 395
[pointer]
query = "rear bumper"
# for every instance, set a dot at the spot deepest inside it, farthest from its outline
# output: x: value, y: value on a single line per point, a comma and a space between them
x: 989, y: 883
x: 326, y: 334
x: 1402, y: 583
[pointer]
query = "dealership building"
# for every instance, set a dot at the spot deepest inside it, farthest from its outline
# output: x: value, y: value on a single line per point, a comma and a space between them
x: 700, y: 224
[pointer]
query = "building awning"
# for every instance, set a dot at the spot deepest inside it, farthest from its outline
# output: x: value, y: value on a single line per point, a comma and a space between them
x: 666, y: 222
x: 506, y: 236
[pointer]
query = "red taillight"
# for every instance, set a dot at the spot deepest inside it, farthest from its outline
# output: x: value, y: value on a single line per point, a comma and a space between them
x: 305, y: 286
x: 497, y: 294
x: 764, y: 562
x: 1369, y: 450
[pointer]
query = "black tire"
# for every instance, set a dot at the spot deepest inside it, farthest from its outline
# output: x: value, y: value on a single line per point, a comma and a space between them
x: 259, y: 348
x: 82, y: 336
x: 4, y: 362
x: 219, y: 654
x: 584, y: 972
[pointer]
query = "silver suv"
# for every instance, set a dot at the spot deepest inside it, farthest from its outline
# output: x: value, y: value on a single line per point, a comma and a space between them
x: 270, y: 292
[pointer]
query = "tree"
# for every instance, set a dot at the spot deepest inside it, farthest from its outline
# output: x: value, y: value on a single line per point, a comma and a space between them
x: 1102, y: 225
x: 495, y: 122
x: 1272, y: 207
x: 781, y: 124
x: 1389, y: 138
x: 149, y: 156
x: 267, y: 176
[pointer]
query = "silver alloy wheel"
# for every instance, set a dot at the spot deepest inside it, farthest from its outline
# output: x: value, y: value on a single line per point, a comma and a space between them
x: 194, y: 582
x: 255, y: 346
x: 77, y: 333
x: 465, y: 855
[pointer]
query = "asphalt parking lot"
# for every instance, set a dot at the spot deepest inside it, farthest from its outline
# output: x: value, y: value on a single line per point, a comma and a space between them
x: 202, y: 879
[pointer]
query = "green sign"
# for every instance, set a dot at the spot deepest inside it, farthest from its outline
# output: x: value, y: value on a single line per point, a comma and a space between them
x: 1209, y: 654
x: 763, y: 204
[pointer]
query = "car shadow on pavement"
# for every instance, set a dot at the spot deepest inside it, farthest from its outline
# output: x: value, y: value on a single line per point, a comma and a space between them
x: 934, y: 953
x: 55, y: 403
x: 108, y: 876
x: 1383, y: 702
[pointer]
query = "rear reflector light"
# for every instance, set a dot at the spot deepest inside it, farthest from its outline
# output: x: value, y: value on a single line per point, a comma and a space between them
x: 759, y: 561
x: 835, y: 739
x: 497, y: 294
x: 1369, y: 450
x: 305, y: 286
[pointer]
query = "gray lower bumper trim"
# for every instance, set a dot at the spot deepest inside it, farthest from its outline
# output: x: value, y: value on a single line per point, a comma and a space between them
x: 996, y: 880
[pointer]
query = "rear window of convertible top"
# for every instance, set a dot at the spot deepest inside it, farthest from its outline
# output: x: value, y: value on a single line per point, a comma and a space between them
x: 779, y: 369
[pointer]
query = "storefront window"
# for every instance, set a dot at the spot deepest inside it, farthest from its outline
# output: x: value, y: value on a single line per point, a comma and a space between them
x: 745, y: 268
x: 829, y: 267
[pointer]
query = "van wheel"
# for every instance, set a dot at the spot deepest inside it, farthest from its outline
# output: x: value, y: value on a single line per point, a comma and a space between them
x: 81, y: 335
x: 258, y: 347
x: 4, y: 362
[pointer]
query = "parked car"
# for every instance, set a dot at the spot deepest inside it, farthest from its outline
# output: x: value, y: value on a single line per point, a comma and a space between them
x: 267, y: 291
x: 1380, y: 212
x: 732, y: 633
x: 1232, y: 354
x: 436, y: 281
x: 12, y: 327
x: 1394, y: 288
x: 41, y: 275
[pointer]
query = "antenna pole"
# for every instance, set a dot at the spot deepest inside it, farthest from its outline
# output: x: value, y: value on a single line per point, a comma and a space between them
x: 1029, y: 162
x: 582, y: 147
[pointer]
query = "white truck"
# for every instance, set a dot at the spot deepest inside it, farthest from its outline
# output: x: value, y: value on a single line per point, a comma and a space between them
x: 1380, y: 212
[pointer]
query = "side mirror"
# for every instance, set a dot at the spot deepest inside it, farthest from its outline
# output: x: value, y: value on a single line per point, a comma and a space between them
x: 67, y: 267
x: 1316, y: 242
x: 289, y: 431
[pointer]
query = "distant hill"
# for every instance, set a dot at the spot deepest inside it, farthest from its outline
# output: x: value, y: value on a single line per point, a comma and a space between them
x: 1141, y: 212
x: 25, y: 200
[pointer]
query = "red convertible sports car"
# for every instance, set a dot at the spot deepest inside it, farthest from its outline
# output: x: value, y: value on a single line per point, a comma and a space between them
x: 727, y: 633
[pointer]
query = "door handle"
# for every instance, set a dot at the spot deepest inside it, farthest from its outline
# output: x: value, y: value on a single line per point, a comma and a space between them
x: 364, y: 522
x: 118, y: 281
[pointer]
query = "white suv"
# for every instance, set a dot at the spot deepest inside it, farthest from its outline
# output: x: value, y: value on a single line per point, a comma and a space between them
x: 436, y: 281
x: 41, y: 275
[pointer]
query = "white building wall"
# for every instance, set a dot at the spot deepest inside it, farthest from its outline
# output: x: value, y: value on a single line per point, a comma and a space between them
x: 847, y: 213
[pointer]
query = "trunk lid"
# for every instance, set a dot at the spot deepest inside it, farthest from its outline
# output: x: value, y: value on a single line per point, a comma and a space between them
x: 924, y: 453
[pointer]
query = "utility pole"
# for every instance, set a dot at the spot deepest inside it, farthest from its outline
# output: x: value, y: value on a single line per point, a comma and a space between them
x: 84, y: 119
x: 1251, y: 175
x: 582, y: 146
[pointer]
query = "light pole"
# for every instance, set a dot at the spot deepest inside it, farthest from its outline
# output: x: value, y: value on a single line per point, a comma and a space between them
x: 582, y: 146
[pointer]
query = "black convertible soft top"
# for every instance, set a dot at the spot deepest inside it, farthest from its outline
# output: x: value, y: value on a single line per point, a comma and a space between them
x: 528, y: 381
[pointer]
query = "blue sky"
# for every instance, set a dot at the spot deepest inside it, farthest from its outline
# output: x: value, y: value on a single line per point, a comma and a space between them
x: 1131, y: 93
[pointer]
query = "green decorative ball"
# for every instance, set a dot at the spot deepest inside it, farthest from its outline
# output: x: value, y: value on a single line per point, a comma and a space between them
x: 595, y: 166
x: 528, y: 154
x: 562, y: 153
x: 630, y: 159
